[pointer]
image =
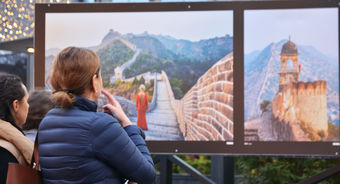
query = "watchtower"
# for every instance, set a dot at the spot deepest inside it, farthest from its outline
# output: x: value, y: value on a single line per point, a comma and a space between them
x: 289, y: 53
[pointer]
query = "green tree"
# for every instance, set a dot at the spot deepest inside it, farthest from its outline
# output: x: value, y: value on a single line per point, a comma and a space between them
x: 263, y: 106
x: 333, y: 130
x: 201, y: 163
x: 113, y: 55
x: 135, y: 81
x: 256, y: 170
x: 142, y: 80
x: 152, y: 83
x: 176, y: 85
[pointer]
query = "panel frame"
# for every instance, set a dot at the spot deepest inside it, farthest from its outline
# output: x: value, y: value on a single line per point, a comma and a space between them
x: 238, y: 146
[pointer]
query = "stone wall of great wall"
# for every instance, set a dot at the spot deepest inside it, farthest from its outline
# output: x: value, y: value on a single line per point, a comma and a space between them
x: 153, y: 103
x: 206, y: 110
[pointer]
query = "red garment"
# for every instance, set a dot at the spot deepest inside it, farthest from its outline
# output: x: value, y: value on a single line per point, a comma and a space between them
x: 142, y: 105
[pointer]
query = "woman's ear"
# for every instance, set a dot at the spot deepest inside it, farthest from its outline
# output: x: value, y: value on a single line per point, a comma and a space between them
x: 15, y: 105
x: 94, y: 83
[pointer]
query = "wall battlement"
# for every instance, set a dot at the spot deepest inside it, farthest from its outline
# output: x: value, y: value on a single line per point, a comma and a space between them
x: 206, y: 110
x: 309, y: 88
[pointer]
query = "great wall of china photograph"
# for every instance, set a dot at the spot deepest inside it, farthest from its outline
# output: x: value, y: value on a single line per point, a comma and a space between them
x: 291, y: 75
x: 185, y: 66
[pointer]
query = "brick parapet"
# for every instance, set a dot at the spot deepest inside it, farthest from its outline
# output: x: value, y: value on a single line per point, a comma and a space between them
x: 153, y: 103
x: 206, y: 110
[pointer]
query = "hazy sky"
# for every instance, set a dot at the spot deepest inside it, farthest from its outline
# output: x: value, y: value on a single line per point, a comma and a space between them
x: 316, y: 27
x: 88, y: 29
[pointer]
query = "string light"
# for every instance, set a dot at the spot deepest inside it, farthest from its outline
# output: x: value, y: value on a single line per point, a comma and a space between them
x: 17, y: 18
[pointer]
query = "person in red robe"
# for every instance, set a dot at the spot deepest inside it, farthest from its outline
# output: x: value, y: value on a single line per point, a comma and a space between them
x: 142, y: 106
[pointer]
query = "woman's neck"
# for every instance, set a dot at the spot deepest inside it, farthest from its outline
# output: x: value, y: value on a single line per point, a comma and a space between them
x: 90, y: 95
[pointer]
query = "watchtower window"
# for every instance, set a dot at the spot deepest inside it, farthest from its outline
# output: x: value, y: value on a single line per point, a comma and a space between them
x: 289, y: 64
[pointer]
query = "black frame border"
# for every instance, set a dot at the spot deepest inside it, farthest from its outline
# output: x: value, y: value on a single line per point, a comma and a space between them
x: 238, y: 146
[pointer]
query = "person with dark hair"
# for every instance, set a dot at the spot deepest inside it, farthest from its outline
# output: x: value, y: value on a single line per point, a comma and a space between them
x: 40, y: 103
x: 14, y: 146
x: 77, y: 144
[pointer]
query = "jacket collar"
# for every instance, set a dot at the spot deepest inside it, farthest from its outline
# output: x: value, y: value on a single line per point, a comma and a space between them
x: 85, y: 104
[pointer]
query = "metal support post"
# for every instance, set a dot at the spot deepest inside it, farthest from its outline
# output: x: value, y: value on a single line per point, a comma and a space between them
x: 189, y: 169
x: 165, y: 170
x: 222, y: 169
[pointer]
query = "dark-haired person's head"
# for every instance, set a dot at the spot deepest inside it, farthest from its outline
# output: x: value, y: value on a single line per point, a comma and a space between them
x: 75, y: 72
x: 40, y: 103
x: 13, y: 99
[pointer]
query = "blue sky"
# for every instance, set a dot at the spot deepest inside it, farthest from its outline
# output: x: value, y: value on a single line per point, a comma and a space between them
x: 88, y: 29
x: 316, y: 27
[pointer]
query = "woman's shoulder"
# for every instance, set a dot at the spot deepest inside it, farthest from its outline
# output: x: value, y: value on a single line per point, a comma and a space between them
x: 103, y: 119
x: 75, y: 112
x: 104, y: 122
x: 104, y: 116
x: 74, y: 118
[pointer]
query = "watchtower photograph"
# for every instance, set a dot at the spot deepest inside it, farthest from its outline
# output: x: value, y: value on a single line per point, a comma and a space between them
x: 291, y: 75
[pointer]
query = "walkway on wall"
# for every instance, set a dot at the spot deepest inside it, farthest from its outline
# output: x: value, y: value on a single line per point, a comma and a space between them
x: 162, y: 122
x: 131, y: 61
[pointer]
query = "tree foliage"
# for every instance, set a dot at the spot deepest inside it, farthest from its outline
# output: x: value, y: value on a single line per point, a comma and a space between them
x: 177, y: 85
x: 112, y: 56
x: 333, y: 130
x: 267, y: 170
x: 256, y: 170
x: 129, y: 89
x: 142, y: 80
x: 184, y: 69
x: 201, y: 163
x: 263, y: 106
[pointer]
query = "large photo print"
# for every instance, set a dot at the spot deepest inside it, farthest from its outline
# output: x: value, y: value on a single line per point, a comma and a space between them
x: 172, y: 72
x: 291, y: 75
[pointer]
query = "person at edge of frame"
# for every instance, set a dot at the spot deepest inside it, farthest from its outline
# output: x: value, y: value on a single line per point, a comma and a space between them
x: 40, y: 103
x: 14, y: 146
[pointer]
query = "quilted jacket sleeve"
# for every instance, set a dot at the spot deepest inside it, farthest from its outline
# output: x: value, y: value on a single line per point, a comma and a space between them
x: 124, y: 149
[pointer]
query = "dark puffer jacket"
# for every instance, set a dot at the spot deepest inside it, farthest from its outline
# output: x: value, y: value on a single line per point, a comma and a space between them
x: 81, y: 145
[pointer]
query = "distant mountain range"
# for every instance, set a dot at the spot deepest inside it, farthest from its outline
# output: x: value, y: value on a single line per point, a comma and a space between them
x: 213, y: 48
x: 168, y: 47
x: 262, y: 78
x: 182, y: 59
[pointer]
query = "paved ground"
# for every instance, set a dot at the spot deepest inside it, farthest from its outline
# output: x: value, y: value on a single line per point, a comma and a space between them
x: 162, y: 123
